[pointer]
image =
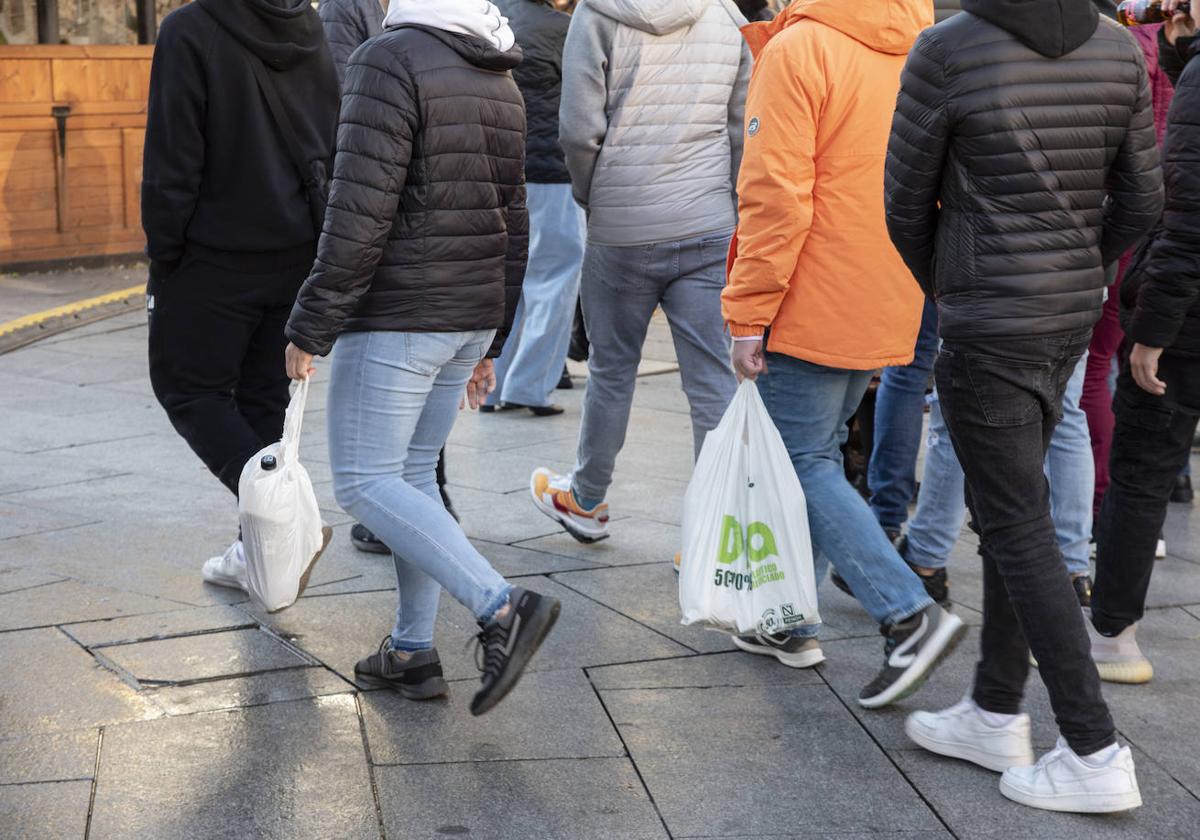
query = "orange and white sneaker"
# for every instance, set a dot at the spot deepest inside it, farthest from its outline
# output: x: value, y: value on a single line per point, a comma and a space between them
x: 554, y: 497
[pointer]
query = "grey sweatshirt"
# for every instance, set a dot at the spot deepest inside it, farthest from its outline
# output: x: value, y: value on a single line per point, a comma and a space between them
x: 653, y: 100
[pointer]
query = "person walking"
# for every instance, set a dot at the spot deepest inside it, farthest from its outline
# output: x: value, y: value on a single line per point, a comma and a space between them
x: 1158, y: 392
x: 231, y: 221
x: 417, y: 278
x: 348, y: 23
x: 531, y: 366
x: 1004, y: 111
x: 651, y: 124
x: 814, y: 273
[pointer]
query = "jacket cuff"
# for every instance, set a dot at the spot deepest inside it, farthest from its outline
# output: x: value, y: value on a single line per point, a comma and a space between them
x: 1153, y: 330
x: 304, y: 343
x: 162, y: 269
x: 740, y: 331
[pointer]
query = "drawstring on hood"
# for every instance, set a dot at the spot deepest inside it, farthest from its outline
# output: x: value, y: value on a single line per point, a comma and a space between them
x: 474, y: 18
x: 283, y: 33
x: 658, y: 17
x: 886, y: 26
x: 1052, y: 28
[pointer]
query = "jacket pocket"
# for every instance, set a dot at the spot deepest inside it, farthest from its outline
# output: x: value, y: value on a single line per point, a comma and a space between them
x: 1009, y: 391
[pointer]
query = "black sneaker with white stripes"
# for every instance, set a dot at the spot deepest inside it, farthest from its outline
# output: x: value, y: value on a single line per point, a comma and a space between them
x: 507, y: 644
x: 791, y: 651
x: 913, y: 649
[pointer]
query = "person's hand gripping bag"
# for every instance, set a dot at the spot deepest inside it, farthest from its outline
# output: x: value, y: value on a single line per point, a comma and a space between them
x: 747, y: 563
x: 281, y: 526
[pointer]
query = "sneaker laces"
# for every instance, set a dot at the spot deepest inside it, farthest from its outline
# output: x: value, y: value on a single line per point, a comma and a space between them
x: 489, y: 644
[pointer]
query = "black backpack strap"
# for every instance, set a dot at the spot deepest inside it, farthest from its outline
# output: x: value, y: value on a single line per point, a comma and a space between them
x: 282, y: 120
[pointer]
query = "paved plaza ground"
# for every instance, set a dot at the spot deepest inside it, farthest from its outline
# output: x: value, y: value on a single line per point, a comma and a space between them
x: 138, y: 702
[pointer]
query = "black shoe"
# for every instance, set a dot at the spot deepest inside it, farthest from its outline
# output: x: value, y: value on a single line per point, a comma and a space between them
x: 913, y: 649
x: 791, y: 651
x: 364, y: 540
x: 418, y: 677
x: 1083, y: 589
x: 506, y: 645
x: 937, y: 585
x: 1183, y: 493
x: 535, y: 410
x: 564, y: 381
x: 487, y: 409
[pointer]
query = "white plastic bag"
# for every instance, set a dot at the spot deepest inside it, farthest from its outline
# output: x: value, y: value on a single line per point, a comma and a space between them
x: 747, y: 563
x: 281, y: 526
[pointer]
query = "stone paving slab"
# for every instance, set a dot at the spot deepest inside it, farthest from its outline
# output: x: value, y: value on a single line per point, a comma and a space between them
x: 48, y: 811
x: 14, y: 578
x: 60, y: 687
x: 634, y: 541
x: 256, y: 690
x: 191, y: 658
x: 512, y: 519
x: 712, y: 670
x: 500, y: 471
x: 72, y: 600
x: 761, y: 760
x: 548, y: 715
x: 592, y: 799
x: 31, y: 472
x: 1181, y: 531
x: 281, y: 771
x: 48, y: 758
x: 969, y: 800
x: 18, y: 520
x: 139, y: 628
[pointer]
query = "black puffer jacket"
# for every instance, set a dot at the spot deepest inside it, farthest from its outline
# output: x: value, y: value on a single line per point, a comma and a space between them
x: 541, y: 32
x: 1163, y: 295
x: 426, y: 228
x: 1012, y: 180
x: 347, y: 24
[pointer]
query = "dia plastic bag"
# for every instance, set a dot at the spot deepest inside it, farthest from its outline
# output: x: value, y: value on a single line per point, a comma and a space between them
x: 281, y: 526
x: 747, y: 562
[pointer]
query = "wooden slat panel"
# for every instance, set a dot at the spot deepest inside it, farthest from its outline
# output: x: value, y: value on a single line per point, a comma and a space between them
x: 25, y: 81
x: 46, y: 123
x: 109, y: 156
x: 64, y: 248
x: 106, y: 51
x: 100, y: 80
x: 34, y: 220
x: 23, y: 180
x: 23, y: 201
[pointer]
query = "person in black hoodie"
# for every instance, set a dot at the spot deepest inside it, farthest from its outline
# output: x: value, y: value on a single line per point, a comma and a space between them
x: 417, y: 278
x: 1022, y: 162
x: 230, y: 222
x: 1157, y: 402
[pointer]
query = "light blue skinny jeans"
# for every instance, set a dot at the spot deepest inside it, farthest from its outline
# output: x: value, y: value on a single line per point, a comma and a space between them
x: 393, y: 399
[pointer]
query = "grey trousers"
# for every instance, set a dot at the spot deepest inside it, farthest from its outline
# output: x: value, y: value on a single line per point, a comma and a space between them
x: 621, y: 288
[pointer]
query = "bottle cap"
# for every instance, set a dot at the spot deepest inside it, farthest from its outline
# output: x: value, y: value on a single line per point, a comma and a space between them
x: 268, y: 462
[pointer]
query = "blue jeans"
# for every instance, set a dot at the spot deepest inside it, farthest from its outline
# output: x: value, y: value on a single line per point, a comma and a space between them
x: 622, y: 286
x: 810, y: 405
x: 899, y: 416
x: 528, y: 370
x: 942, y: 509
x: 393, y: 398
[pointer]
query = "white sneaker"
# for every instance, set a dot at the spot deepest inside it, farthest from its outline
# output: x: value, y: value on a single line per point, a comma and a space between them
x: 553, y: 496
x: 227, y: 570
x: 1118, y: 658
x: 1062, y: 781
x: 1160, y: 549
x: 962, y: 732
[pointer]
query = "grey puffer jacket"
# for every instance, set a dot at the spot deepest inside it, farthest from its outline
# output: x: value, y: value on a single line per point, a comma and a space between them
x: 654, y: 94
x: 347, y: 24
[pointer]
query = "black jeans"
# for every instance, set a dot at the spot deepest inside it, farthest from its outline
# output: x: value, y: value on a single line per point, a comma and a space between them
x: 1152, y: 441
x: 1001, y: 400
x: 216, y: 352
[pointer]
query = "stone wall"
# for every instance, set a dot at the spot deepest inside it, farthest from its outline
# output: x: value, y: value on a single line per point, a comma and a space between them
x: 80, y: 21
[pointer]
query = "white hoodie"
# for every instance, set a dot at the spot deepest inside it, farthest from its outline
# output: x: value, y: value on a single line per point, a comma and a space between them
x: 479, y: 18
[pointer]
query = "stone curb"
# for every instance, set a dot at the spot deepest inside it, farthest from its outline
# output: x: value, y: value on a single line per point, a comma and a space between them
x: 30, y: 328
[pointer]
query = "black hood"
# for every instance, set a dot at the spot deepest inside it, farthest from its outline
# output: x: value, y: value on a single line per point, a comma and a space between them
x: 283, y: 33
x: 477, y: 51
x: 1053, y: 28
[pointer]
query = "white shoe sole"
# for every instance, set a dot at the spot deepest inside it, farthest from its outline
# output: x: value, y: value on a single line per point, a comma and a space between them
x: 583, y: 535
x: 948, y: 635
x: 1074, y: 803
x: 966, y: 752
x: 222, y: 580
x: 807, y: 659
x: 1128, y: 673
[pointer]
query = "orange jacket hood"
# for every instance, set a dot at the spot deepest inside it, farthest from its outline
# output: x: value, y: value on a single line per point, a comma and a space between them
x: 886, y: 26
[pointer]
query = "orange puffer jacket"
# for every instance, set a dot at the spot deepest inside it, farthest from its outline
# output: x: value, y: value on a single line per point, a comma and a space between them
x: 812, y: 259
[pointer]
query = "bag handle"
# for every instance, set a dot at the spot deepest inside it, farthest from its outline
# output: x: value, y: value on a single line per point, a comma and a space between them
x: 293, y: 423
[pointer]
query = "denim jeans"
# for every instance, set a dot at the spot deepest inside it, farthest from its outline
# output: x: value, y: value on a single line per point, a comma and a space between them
x: 1001, y: 400
x: 941, y: 507
x: 622, y: 286
x: 393, y: 398
x: 1152, y: 441
x: 528, y: 370
x: 899, y: 416
x: 810, y: 405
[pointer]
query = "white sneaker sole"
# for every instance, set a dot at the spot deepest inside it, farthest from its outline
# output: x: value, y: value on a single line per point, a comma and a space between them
x: 807, y: 659
x: 1074, y: 803
x: 966, y: 752
x: 947, y: 637
x: 582, y: 534
x: 223, y: 580
x: 1127, y: 673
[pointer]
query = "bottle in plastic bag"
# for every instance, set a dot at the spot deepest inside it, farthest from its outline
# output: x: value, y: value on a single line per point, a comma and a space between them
x: 1138, y: 12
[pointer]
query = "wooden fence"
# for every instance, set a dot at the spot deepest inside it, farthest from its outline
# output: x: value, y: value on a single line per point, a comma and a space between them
x: 70, y: 184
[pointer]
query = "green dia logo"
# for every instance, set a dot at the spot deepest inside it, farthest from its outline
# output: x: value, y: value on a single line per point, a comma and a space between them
x: 757, y: 542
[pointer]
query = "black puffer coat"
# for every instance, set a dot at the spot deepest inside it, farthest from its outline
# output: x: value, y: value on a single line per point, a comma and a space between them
x: 541, y: 32
x: 426, y: 228
x: 1163, y: 297
x: 347, y: 24
x: 1012, y: 180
